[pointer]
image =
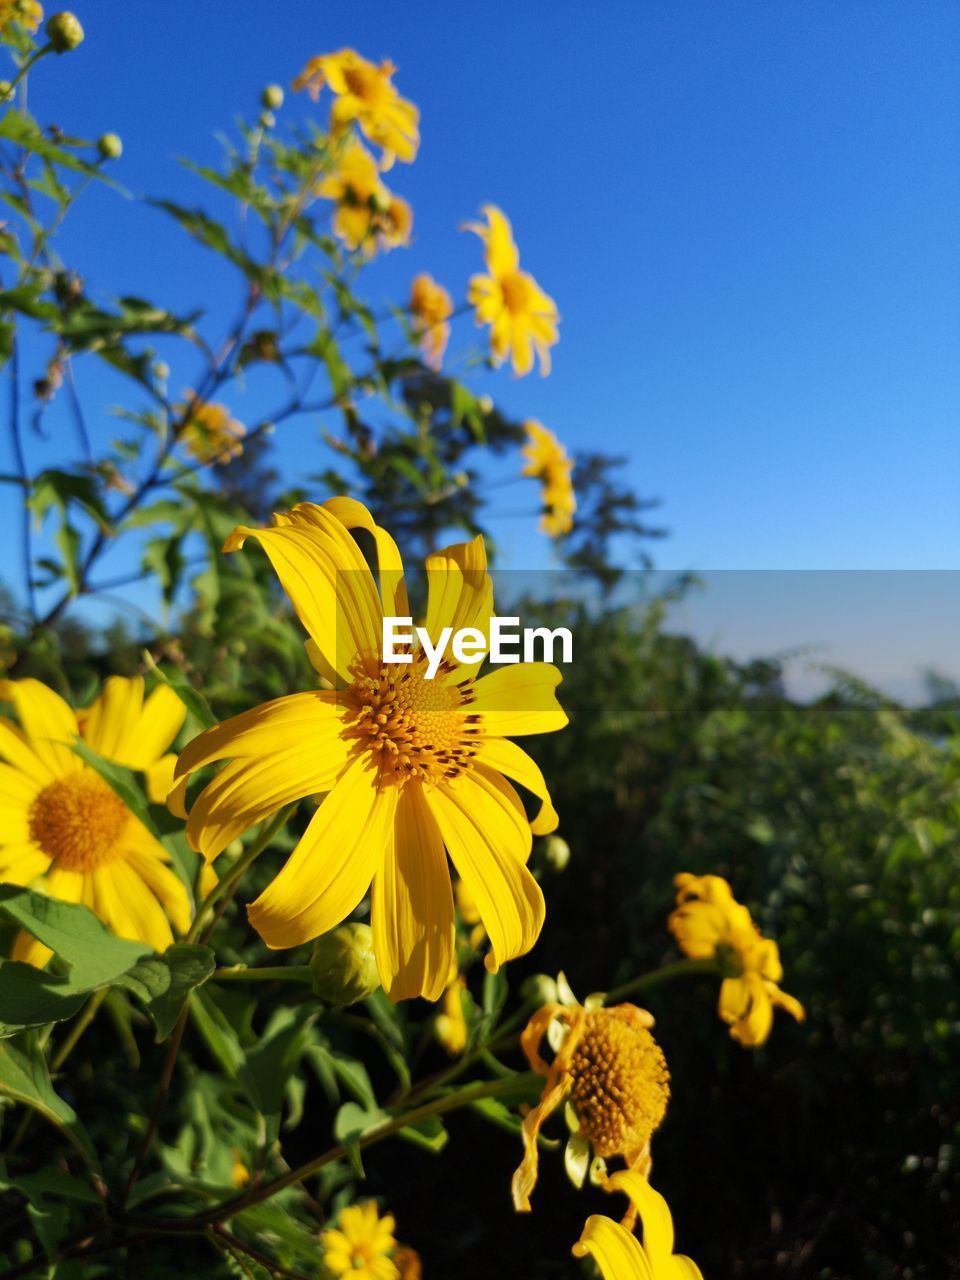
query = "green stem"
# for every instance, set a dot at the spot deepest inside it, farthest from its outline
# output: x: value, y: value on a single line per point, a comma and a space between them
x: 267, y: 973
x: 78, y: 1028
x: 666, y: 973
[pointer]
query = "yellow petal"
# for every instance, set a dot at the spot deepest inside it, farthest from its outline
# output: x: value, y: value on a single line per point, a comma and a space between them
x: 22, y: 863
x: 616, y: 1252
x: 393, y: 591
x: 111, y: 721
x: 506, y: 757
x: 49, y: 723
x: 654, y: 1214
x: 165, y: 885
x: 333, y: 865
x: 126, y: 904
x: 519, y: 699
x: 163, y: 715
x: 488, y: 842
x: 412, y: 914
x: 271, y: 727
x: 460, y: 593
x: 160, y: 778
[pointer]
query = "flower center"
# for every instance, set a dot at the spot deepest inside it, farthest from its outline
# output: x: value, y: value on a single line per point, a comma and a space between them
x: 620, y: 1082
x: 420, y: 728
x: 515, y: 291
x: 79, y: 821
x: 366, y: 84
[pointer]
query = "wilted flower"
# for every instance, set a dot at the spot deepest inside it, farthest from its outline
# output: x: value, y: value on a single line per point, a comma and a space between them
x: 709, y: 923
x: 365, y: 93
x: 431, y: 309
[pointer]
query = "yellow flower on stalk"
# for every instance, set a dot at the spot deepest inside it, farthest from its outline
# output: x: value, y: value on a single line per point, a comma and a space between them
x: 365, y: 93
x: 431, y: 308
x: 416, y: 768
x: 367, y: 216
x: 208, y: 431
x: 28, y: 13
x: 363, y: 1245
x: 65, y: 831
x: 548, y: 460
x: 450, y: 1026
x: 523, y: 319
x: 617, y: 1251
x: 709, y: 923
x: 612, y: 1077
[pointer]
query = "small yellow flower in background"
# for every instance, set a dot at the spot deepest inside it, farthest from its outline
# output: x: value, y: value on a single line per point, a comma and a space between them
x: 365, y: 93
x: 523, y: 319
x: 617, y: 1251
x: 416, y: 769
x: 363, y: 1246
x: 62, y: 826
x: 239, y: 1173
x: 709, y: 922
x: 407, y: 1262
x: 469, y: 913
x: 28, y: 13
x: 612, y: 1076
x: 367, y: 216
x: 450, y: 1026
x: 208, y: 431
x: 431, y: 308
x: 548, y: 460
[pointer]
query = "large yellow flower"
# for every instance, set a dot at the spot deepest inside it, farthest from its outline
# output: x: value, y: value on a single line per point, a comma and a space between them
x: 363, y: 1245
x: 549, y: 461
x: 523, y: 319
x: 430, y: 310
x: 617, y: 1251
x: 367, y: 216
x: 209, y: 432
x: 709, y: 923
x: 365, y: 93
x: 415, y: 768
x: 62, y: 826
x: 612, y: 1075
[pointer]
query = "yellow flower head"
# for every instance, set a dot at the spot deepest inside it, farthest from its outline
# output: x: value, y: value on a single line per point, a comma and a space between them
x: 709, y: 922
x: 617, y: 1251
x: 547, y: 460
x: 523, y: 319
x: 63, y: 826
x: 431, y: 309
x: 208, y: 431
x: 363, y: 1246
x: 415, y: 768
x: 367, y: 216
x: 28, y: 13
x: 450, y: 1026
x: 364, y: 93
x: 612, y: 1075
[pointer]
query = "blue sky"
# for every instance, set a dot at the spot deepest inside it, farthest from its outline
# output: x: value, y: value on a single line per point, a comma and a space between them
x: 747, y: 214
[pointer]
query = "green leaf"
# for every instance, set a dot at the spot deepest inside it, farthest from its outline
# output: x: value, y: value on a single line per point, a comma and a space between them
x: 31, y: 997
x: 50, y: 1225
x: 219, y: 1035
x: 164, y: 982
x: 25, y: 1079
x: 349, y: 1072
x: 429, y: 1134
x: 270, y: 1064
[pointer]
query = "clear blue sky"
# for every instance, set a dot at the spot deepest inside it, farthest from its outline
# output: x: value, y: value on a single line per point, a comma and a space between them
x: 747, y: 212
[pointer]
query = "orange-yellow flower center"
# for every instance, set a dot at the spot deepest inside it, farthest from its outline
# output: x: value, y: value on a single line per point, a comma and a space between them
x: 79, y: 821
x: 420, y: 728
x: 516, y: 292
x: 620, y: 1084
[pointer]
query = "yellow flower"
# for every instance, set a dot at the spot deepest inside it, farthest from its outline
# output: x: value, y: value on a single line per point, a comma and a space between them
x: 548, y: 461
x: 523, y: 319
x: 367, y: 216
x: 63, y: 826
x: 209, y: 432
x: 364, y: 92
x: 709, y: 922
x: 451, y: 1025
x: 415, y: 768
x: 612, y: 1075
x: 239, y: 1173
x: 362, y: 1248
x: 431, y: 309
x: 28, y: 13
x: 617, y: 1251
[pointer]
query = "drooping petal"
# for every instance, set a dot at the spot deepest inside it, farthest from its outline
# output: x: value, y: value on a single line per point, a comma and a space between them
x: 489, y: 842
x: 654, y: 1214
x: 49, y: 723
x: 519, y: 699
x: 412, y: 914
x: 616, y: 1252
x: 393, y: 591
x: 507, y: 758
x: 334, y: 864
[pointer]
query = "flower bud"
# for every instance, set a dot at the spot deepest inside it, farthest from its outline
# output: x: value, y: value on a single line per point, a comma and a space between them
x: 6, y: 90
x: 64, y: 32
x: 540, y: 989
x: 161, y: 370
x: 556, y: 853
x: 110, y: 146
x: 343, y: 965
x: 272, y: 97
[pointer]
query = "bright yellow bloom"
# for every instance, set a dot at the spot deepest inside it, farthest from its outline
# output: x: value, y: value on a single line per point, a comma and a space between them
x: 209, y: 432
x: 364, y: 92
x: 28, y: 13
x: 62, y: 826
x: 363, y: 1246
x: 523, y: 319
x: 431, y: 308
x: 450, y: 1026
x: 612, y: 1075
x: 708, y: 922
x: 549, y: 461
x: 617, y: 1251
x: 367, y: 216
x: 415, y: 768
